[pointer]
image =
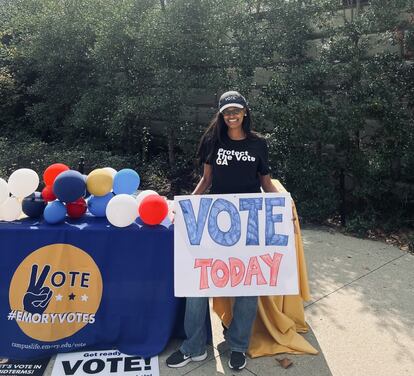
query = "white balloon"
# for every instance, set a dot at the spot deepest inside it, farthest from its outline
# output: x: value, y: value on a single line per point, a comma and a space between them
x: 144, y: 194
x: 4, y: 190
x: 122, y: 210
x: 11, y: 209
x: 171, y: 207
x: 23, y: 182
x: 111, y: 170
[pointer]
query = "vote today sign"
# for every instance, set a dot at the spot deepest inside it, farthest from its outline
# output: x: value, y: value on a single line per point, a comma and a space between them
x: 105, y: 363
x: 234, y: 245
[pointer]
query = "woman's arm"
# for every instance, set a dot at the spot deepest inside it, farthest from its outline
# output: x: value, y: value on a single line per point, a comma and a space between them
x: 205, y: 180
x: 266, y: 183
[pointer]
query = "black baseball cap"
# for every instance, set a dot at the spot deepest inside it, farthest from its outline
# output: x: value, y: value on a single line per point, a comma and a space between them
x: 232, y: 99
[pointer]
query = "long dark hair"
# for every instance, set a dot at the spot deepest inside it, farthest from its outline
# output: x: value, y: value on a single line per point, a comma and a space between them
x: 217, y: 131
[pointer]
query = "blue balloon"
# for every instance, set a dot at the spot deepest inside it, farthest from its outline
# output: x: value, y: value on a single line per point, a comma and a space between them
x: 69, y: 186
x: 97, y: 204
x: 34, y: 205
x: 55, y: 212
x: 126, y: 181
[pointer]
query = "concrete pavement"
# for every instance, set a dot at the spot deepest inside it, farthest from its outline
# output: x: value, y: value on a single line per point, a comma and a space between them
x: 363, y: 308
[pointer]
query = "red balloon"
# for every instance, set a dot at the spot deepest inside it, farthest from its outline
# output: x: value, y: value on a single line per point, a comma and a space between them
x: 76, y: 208
x: 53, y: 171
x: 153, y: 209
x: 47, y: 194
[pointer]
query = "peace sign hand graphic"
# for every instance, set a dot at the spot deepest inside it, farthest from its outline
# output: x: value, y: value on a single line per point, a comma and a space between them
x: 37, y: 296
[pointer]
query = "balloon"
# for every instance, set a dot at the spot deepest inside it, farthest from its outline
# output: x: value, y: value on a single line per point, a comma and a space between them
x: 53, y: 171
x: 34, y: 205
x: 55, y: 212
x: 47, y: 194
x: 77, y: 208
x: 10, y: 209
x: 87, y: 193
x: 111, y: 170
x: 23, y: 182
x: 4, y: 190
x: 171, y: 206
x: 126, y: 181
x: 121, y: 210
x: 69, y: 186
x: 153, y: 209
x: 99, y: 182
x: 97, y: 204
x: 144, y: 194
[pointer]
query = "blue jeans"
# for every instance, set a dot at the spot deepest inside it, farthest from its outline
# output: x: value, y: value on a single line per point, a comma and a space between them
x: 237, y: 335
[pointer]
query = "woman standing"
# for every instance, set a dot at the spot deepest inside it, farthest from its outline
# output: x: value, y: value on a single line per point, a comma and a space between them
x: 235, y: 160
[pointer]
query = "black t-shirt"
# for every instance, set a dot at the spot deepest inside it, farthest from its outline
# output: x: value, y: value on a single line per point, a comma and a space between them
x: 236, y: 164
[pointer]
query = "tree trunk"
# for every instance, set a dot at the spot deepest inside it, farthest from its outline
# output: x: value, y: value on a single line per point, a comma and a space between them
x: 358, y: 7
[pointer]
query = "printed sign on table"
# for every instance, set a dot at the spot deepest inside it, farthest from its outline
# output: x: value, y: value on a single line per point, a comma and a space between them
x: 104, y: 362
x: 17, y: 368
x: 234, y: 245
x: 55, y: 292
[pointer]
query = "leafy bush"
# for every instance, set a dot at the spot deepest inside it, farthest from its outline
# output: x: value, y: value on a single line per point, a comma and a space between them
x: 38, y: 155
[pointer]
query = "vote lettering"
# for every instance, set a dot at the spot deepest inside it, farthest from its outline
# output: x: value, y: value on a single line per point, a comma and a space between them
x: 209, y: 211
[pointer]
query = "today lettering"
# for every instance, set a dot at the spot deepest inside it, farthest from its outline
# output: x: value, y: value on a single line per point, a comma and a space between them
x: 209, y: 211
x: 235, y: 271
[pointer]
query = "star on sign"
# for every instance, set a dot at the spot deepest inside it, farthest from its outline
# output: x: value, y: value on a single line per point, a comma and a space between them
x: 84, y: 298
x: 58, y: 298
x: 72, y: 296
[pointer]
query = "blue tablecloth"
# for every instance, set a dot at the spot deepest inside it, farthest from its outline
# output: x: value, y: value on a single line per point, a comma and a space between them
x: 136, y: 313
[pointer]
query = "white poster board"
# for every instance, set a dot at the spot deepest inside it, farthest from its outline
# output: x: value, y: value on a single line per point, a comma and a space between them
x: 234, y: 245
x: 105, y: 363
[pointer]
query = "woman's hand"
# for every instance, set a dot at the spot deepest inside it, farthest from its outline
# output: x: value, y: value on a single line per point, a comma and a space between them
x: 294, y: 217
x: 267, y: 184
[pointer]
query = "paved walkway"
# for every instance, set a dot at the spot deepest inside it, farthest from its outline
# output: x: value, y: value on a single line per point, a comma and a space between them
x: 361, y: 315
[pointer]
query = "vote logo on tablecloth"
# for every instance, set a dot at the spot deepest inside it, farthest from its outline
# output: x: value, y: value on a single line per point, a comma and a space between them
x: 55, y: 292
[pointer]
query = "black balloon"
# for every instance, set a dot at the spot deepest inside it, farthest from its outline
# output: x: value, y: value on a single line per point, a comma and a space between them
x: 34, y: 205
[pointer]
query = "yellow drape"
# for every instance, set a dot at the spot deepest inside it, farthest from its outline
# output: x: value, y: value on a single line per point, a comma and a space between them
x: 279, y: 318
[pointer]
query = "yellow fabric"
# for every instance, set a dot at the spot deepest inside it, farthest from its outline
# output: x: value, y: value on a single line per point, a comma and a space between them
x: 279, y: 318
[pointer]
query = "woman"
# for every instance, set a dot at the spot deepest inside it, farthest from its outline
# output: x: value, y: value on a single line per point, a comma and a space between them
x: 235, y: 160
